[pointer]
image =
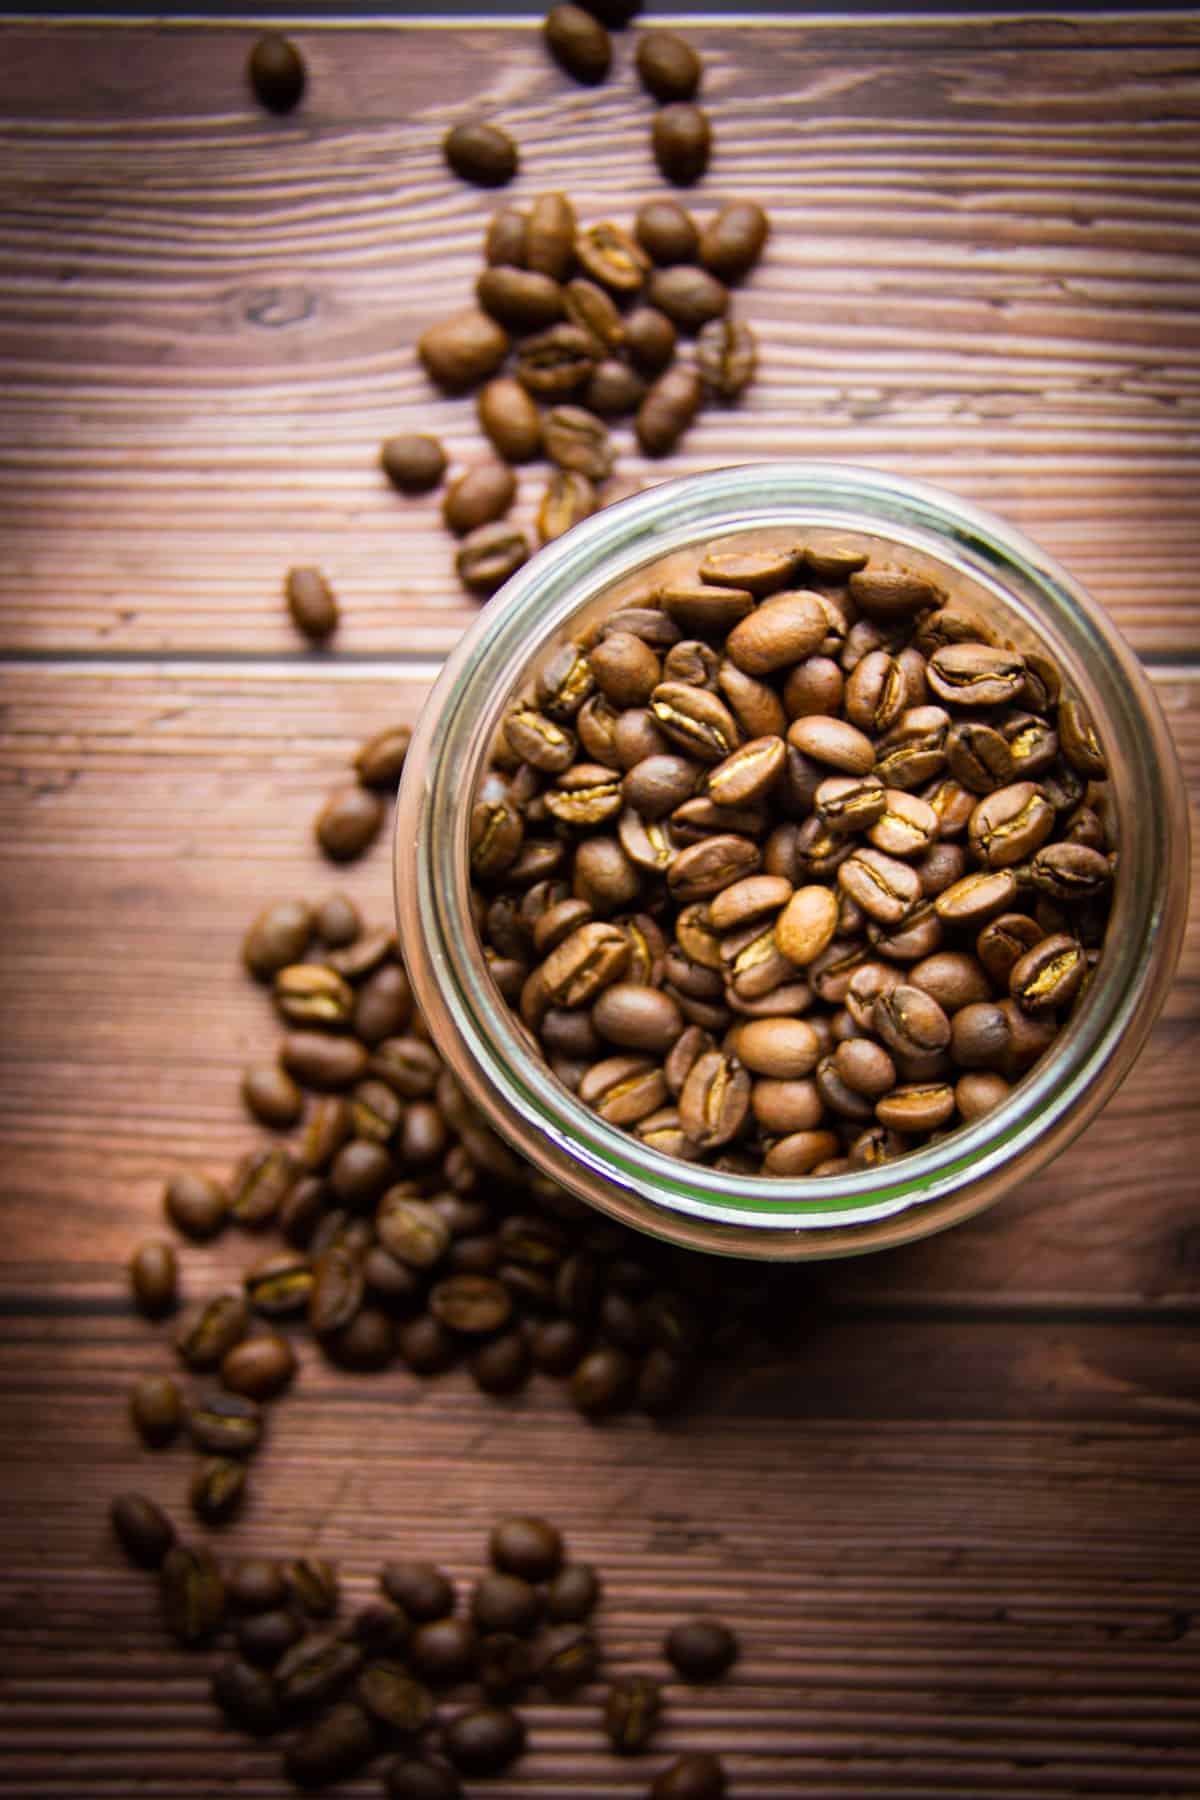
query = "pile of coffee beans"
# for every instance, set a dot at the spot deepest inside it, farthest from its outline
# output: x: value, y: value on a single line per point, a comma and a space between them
x: 574, y: 327
x: 792, y: 864
x: 345, y: 1691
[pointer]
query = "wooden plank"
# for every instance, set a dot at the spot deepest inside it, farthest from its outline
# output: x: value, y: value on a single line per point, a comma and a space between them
x: 924, y: 1610
x: 976, y: 277
x: 150, y: 813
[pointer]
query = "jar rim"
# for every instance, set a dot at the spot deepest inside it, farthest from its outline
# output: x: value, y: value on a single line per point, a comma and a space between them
x: 693, y: 1203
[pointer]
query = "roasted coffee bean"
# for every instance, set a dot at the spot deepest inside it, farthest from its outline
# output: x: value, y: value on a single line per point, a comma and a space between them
x: 715, y: 1099
x: 337, y: 1289
x: 261, y: 1180
x: 638, y: 1017
x: 510, y: 419
x: 593, y: 309
x: 382, y: 1006
x: 1070, y: 873
x: 319, y: 1060
x: 480, y: 495
x: 489, y: 555
x: 668, y: 409
x: 1080, y: 745
x: 311, y: 994
x: 463, y: 350
x: 256, y: 1585
x: 225, y: 1425
x: 315, y: 1670
x: 209, y: 1330
x: 890, y: 593
x: 578, y: 43
x: 682, y: 141
x: 953, y: 978
x: 269, y: 1635
x: 603, y: 1382
x: 977, y: 897
x: 424, y: 1591
x: 259, y: 1367
x: 697, y: 1775
x: 154, y: 1277
x: 572, y: 1593
x: 576, y: 439
x: 549, y: 237
x: 978, y: 1093
x: 613, y: 389
x: 156, y: 1409
x: 481, y: 153
x: 920, y: 1106
x: 312, y: 603
x: 910, y: 1022
x: 520, y: 299
x: 1007, y: 826
x: 726, y: 357
x: 976, y: 674
x: 732, y: 241
x: 272, y: 1096
x: 666, y: 232
x: 529, y: 1547
x: 247, y: 1696
x: 806, y: 926
x: 413, y: 461
x: 649, y: 341
x: 714, y: 863
x: 799, y: 1153
x: 568, y: 1660
x: 314, y: 1582
x: 335, y: 1745
x: 505, y: 1602
x: 348, y: 823
x: 779, y: 1048
x: 623, y: 1089
x: 568, y: 498
x: 278, y: 936
x: 142, y: 1528
x: 556, y: 362
x: 192, y: 1594
x: 612, y: 257
x: 380, y: 1629
x: 632, y: 1709
x: 667, y: 66
x: 1050, y: 975
x: 689, y: 297
x: 470, y: 1305
x: 413, y: 1778
x: 700, y: 1649
x: 484, y: 1740
x: 277, y: 73
x: 196, y: 1205
x: 217, y: 1489
x: 779, y: 632
x: 391, y: 1696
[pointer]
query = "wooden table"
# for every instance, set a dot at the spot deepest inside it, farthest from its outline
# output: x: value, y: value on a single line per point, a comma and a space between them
x: 959, y: 1524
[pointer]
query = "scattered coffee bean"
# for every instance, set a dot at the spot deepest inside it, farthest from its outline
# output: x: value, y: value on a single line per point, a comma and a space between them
x: 700, y: 1649
x: 272, y: 1096
x: 682, y: 141
x: 349, y: 823
x: 578, y: 43
x: 478, y: 496
x: 697, y: 1775
x: 530, y: 1547
x: 156, y: 1408
x: 510, y: 418
x: 260, y: 1367
x: 631, y: 1712
x: 217, y: 1489
x: 572, y: 1594
x: 225, y: 1425
x: 154, y: 1277
x: 688, y: 296
x: 247, y: 1696
x: 668, y: 68
x: 484, y: 1740
x: 378, y: 763
x: 312, y: 603
x: 314, y: 1582
x: 255, y: 1585
x: 142, y: 1528
x: 423, y: 1590
x: 481, y: 153
x: 489, y: 555
x: 413, y: 461
x: 192, y: 1593
x: 334, y: 1746
x: 463, y: 350
x: 276, y: 71
x: 196, y: 1205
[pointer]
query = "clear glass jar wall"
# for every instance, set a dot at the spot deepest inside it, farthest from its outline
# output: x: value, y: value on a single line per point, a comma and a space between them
x: 973, y: 557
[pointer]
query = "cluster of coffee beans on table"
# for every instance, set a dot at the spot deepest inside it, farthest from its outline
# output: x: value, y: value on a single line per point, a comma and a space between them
x: 382, y: 1680
x: 791, y: 864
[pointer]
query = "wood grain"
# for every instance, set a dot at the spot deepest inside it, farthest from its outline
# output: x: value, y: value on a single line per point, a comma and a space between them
x: 976, y: 276
x: 948, y: 1496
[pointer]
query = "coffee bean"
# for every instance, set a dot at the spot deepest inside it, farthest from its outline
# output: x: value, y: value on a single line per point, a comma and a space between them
x: 255, y: 1585
x: 463, y: 350
x: 632, y: 1709
x: 423, y: 1590
x: 568, y: 498
x: 413, y: 461
x: 484, y: 1740
x: 575, y: 439
x: 276, y: 72
x: 578, y: 43
x: 666, y: 232
x: 312, y: 603
x: 267, y: 1636
x: 682, y: 141
x: 272, y: 1096
x: 192, y: 1594
x: 1007, y: 826
x: 259, y: 1367
x: 910, y: 1022
x: 689, y: 297
x: 549, y: 247
x: 668, y: 409
x: 698, y: 1775
x: 156, y: 1409
x: 489, y: 555
x: 890, y: 593
x: 318, y: 1060
x: 412, y: 1778
x: 779, y: 1048
x: 732, y: 241
x: 481, y: 494
x: 1070, y: 873
x: 394, y: 1699
x: 700, y: 1649
x: 207, y: 1331
x: 225, y: 1425
x: 142, y: 1528
x: 612, y: 257
x: 526, y: 1546
x: 572, y: 1594
x: 726, y: 357
x: 349, y: 823
x: 334, y: 1746
x: 637, y: 1017
x: 196, y: 1205
x: 603, y: 1382
x: 481, y: 153
x: 667, y: 66
x: 154, y: 1276
x: 510, y: 419
x: 217, y: 1489
x: 472, y: 1305
x: 1049, y: 975
x: 247, y: 1697
x: 505, y: 1602
x: 613, y: 389
x: 520, y: 299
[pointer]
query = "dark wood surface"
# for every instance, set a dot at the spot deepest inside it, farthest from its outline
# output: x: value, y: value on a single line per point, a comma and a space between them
x: 957, y: 1520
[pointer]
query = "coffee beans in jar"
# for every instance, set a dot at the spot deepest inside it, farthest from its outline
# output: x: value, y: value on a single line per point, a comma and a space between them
x: 806, y: 897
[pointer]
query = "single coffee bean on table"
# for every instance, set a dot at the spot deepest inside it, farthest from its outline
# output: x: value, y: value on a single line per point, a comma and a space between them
x: 312, y: 603
x: 578, y: 43
x: 276, y: 71
x: 682, y: 142
x: 481, y: 153
x: 413, y: 461
x: 667, y: 66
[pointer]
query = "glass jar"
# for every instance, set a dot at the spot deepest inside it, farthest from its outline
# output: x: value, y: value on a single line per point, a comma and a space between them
x: 974, y: 557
